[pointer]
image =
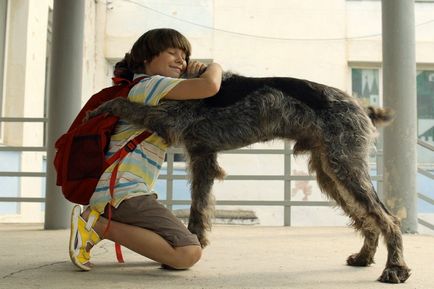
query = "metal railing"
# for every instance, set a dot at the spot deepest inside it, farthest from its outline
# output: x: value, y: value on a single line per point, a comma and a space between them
x: 170, y: 177
x: 24, y: 149
x: 429, y: 175
x: 287, y: 178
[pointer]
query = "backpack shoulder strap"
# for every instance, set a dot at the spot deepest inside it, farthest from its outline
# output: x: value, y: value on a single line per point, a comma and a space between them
x: 128, y: 147
x: 130, y: 83
x: 118, y: 156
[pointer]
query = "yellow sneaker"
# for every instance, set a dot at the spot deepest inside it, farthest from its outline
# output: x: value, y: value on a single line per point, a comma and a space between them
x: 82, y: 234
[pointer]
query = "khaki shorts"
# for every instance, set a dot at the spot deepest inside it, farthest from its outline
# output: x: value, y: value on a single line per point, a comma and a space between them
x: 147, y: 212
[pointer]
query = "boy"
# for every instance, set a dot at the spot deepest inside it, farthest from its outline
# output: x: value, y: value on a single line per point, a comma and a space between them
x: 139, y: 221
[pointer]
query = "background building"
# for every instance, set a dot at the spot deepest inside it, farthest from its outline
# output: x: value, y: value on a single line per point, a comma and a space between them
x: 334, y: 42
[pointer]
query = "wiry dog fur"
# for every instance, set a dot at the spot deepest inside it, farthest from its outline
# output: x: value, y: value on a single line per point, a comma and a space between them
x: 321, y: 120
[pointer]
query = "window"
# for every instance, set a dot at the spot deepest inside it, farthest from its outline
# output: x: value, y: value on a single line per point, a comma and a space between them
x: 3, y: 14
x: 365, y: 85
x: 48, y: 69
x: 425, y: 94
x: 425, y: 104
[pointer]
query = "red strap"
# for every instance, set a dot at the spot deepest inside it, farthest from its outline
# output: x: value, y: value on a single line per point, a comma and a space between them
x: 118, y: 156
x: 120, y: 80
x: 128, y: 147
x: 118, y: 250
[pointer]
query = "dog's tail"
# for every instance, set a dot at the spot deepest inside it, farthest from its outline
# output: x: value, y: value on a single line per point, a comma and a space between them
x: 380, y: 116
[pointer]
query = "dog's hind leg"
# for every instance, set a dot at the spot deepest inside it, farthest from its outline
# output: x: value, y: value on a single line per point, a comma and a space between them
x: 370, y: 233
x: 203, y: 170
x: 349, y: 170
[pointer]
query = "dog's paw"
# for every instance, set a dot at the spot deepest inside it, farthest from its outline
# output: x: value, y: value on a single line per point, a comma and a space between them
x: 203, y: 241
x: 105, y: 108
x: 395, y: 274
x: 359, y: 260
x: 92, y: 114
x: 200, y: 233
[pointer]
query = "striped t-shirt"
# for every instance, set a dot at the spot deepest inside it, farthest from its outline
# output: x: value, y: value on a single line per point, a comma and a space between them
x: 139, y: 169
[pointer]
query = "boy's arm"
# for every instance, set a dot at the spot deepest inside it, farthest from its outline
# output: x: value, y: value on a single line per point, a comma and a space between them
x: 206, y: 85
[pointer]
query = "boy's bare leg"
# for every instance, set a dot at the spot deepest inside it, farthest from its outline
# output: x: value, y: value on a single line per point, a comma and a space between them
x: 148, y: 244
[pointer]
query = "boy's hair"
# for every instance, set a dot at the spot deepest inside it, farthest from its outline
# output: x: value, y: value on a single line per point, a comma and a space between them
x: 148, y: 46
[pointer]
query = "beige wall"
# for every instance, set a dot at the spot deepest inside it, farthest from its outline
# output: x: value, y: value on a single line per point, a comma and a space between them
x: 247, y: 55
x: 25, y: 69
x: 364, y: 18
x: 344, y: 23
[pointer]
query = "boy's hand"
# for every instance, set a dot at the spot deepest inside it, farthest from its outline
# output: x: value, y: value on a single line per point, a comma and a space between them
x: 195, y: 68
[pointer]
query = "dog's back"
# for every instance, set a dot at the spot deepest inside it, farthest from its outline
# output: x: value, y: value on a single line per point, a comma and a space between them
x: 235, y: 88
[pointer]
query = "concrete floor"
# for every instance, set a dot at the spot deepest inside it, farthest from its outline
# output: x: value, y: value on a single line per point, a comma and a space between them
x: 238, y: 257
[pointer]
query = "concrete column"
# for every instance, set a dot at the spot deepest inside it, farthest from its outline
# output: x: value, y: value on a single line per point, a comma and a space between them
x: 64, y: 98
x: 399, y: 90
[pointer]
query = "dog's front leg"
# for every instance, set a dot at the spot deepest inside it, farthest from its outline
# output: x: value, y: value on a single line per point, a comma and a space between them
x: 203, y: 170
x: 155, y: 118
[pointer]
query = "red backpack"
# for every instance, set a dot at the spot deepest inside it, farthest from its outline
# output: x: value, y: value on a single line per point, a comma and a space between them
x: 80, y: 157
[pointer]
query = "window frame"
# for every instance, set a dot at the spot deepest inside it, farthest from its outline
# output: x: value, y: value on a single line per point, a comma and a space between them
x: 366, y: 65
x: 4, y: 13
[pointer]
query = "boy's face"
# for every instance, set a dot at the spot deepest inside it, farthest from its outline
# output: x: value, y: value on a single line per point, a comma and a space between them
x: 170, y: 62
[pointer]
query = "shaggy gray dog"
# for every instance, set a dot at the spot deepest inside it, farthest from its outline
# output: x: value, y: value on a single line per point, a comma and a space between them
x: 321, y: 120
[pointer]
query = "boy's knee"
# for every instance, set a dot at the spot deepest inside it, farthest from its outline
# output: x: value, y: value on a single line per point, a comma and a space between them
x: 188, y: 256
x: 196, y: 254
